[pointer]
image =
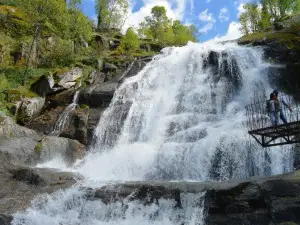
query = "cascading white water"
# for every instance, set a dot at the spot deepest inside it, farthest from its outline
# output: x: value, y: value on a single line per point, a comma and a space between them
x: 64, y: 118
x: 181, y: 118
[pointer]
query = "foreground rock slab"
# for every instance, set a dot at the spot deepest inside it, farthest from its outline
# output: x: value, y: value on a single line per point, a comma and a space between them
x: 259, y: 201
x: 20, y: 185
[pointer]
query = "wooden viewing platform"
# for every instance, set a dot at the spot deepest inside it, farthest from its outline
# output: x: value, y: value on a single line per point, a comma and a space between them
x: 280, y: 135
x: 260, y: 127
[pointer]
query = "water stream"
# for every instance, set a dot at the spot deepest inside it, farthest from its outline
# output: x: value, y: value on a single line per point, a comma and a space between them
x: 64, y: 118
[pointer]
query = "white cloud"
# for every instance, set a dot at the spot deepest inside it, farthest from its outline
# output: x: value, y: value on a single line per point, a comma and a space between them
x: 233, y: 32
x: 208, y: 1
x: 209, y: 18
x: 175, y: 10
x: 206, y: 28
x: 224, y: 15
x: 240, y: 9
x: 205, y: 16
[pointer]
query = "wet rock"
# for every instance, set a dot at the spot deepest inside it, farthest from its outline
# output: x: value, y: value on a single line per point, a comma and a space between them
x: 20, y: 185
x: 263, y: 201
x: 51, y: 147
x: 78, y: 127
x: 133, y: 69
x: 93, y: 120
x: 98, y: 95
x: 5, y: 219
x: 44, y: 124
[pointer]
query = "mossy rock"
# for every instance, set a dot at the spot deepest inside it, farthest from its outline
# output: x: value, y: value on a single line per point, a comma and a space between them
x: 38, y: 148
x: 84, y: 106
x: 288, y: 38
x: 14, y: 95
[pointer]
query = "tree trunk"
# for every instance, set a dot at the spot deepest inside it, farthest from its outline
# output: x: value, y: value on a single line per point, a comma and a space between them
x: 33, y: 45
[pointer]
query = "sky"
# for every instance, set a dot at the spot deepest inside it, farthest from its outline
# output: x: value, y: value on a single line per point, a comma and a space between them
x: 213, y: 18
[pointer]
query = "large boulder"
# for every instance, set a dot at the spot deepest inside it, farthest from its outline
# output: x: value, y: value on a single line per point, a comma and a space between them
x: 134, y: 68
x: 22, y: 146
x: 60, y: 99
x: 97, y: 77
x: 44, y: 124
x: 29, y: 108
x: 68, y: 79
x: 78, y: 127
x: 98, y: 95
x: 51, y: 147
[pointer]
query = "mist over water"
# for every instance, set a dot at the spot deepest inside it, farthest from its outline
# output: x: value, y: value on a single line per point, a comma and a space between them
x: 182, y: 118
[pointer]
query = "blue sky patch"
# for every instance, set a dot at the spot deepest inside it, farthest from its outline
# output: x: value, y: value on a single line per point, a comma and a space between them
x: 211, y: 17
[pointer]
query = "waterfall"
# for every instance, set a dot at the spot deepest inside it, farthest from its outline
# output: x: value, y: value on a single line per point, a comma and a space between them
x: 64, y: 118
x: 182, y: 118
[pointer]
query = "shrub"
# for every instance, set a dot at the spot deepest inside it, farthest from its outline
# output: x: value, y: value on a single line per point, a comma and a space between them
x: 59, y: 55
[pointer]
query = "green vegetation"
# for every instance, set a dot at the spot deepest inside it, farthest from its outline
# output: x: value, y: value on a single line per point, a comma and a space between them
x: 260, y: 17
x: 39, y: 37
x: 84, y: 106
x: 111, y: 13
x: 162, y: 29
x: 39, y: 147
x: 130, y: 43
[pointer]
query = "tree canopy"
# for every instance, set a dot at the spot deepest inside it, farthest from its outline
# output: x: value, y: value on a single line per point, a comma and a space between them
x: 162, y: 29
x: 260, y: 16
x: 111, y: 13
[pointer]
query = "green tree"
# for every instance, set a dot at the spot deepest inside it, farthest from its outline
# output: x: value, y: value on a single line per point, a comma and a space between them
x: 111, y: 13
x: 250, y: 18
x: 157, y: 22
x: 279, y: 9
x: 182, y: 33
x: 129, y: 43
x: 160, y: 28
x: 80, y: 27
x: 49, y: 16
x: 102, y: 12
x: 265, y: 21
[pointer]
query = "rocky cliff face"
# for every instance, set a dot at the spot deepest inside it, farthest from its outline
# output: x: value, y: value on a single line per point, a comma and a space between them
x: 92, y: 100
x: 281, y: 48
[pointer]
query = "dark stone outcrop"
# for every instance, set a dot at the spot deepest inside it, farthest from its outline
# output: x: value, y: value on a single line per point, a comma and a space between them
x: 98, y: 95
x: 44, y: 85
x: 78, y: 127
x: 282, y: 49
